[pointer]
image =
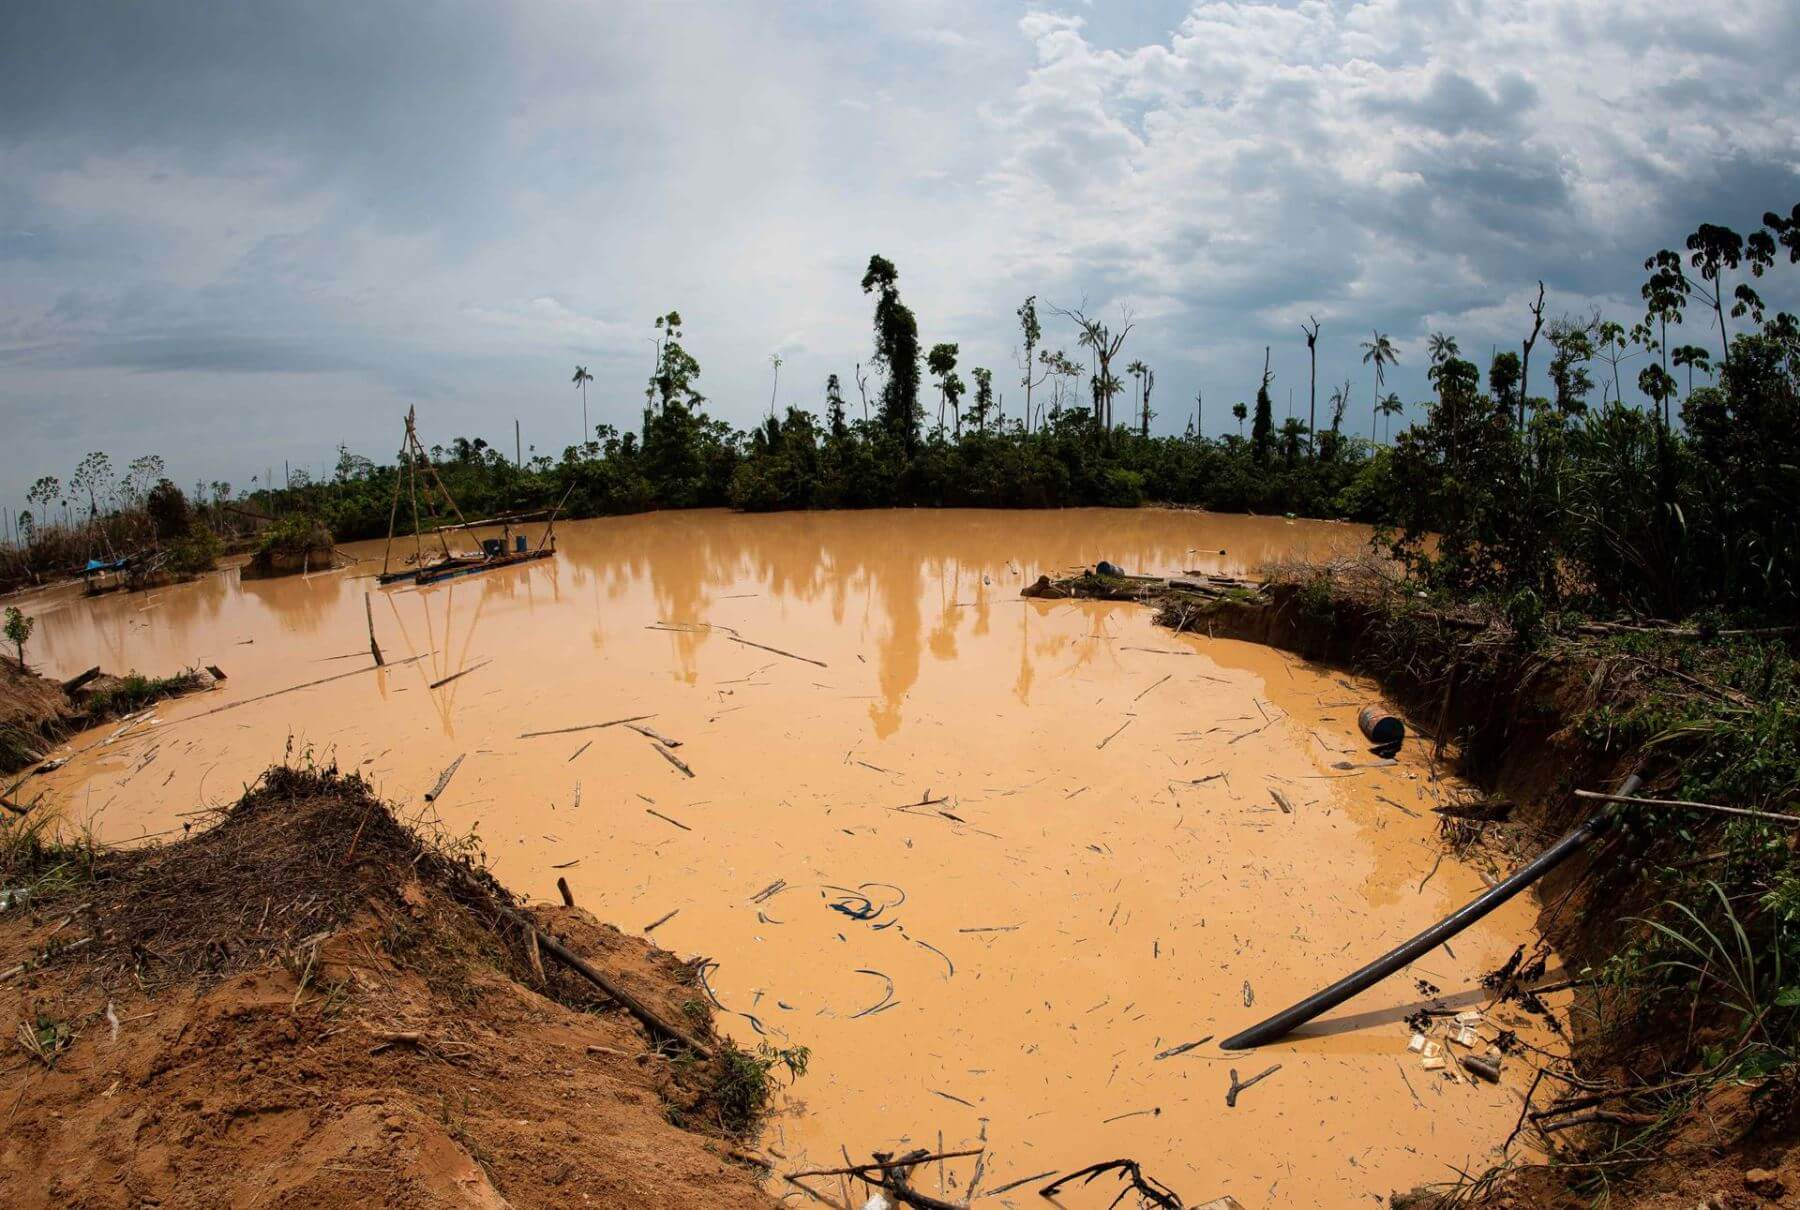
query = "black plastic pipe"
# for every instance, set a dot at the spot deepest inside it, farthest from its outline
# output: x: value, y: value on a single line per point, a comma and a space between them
x: 1289, y: 1019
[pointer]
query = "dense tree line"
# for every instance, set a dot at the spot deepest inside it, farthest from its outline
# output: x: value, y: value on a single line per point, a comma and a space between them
x: 1542, y: 501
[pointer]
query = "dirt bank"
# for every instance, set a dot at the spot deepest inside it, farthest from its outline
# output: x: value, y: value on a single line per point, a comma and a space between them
x: 34, y: 714
x: 1634, y: 1119
x: 304, y: 1004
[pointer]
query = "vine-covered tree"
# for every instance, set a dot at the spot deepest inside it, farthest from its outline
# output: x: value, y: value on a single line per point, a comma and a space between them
x: 896, y: 351
x: 1262, y: 429
x: 984, y: 397
x: 1033, y: 333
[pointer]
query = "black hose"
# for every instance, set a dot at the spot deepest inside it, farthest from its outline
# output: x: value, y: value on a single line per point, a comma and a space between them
x: 1288, y: 1019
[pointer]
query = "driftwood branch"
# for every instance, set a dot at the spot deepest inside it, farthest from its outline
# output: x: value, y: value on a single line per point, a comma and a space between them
x: 777, y: 651
x: 617, y: 722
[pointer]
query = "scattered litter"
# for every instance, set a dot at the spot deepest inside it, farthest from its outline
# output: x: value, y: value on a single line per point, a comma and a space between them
x: 858, y: 905
x: 1483, y: 1066
x: 887, y: 1001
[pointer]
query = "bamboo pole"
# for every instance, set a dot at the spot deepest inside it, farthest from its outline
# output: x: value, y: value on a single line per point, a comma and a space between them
x: 1772, y: 816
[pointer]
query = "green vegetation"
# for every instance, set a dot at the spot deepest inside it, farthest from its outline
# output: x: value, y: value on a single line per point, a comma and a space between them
x: 100, y: 515
x: 18, y: 630
x: 134, y: 691
x: 747, y: 1082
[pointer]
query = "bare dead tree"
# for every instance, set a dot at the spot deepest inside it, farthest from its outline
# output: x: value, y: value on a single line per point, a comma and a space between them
x: 1537, y: 325
x: 1312, y: 407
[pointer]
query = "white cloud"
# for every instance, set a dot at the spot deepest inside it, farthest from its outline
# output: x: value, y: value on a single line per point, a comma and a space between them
x: 301, y: 206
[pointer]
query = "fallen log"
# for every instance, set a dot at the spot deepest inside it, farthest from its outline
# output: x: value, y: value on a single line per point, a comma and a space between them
x: 557, y: 950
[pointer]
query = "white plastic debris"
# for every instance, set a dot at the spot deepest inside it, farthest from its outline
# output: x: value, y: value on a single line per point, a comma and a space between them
x: 1431, y: 1050
x: 1417, y: 1045
x: 1471, y: 1017
x: 1434, y: 1063
x: 1465, y: 1037
x: 877, y: 1202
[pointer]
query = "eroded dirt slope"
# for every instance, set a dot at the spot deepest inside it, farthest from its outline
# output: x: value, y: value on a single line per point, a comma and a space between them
x: 300, y: 1006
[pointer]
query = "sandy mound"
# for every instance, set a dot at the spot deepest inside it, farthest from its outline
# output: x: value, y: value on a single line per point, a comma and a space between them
x: 302, y: 1005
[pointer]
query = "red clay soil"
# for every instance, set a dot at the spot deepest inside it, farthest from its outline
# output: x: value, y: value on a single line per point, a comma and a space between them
x: 301, y: 1006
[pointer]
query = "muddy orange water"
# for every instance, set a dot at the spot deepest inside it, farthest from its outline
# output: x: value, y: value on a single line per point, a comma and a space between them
x: 1002, y: 884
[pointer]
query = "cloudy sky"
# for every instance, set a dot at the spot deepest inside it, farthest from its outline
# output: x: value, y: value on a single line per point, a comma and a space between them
x: 239, y: 233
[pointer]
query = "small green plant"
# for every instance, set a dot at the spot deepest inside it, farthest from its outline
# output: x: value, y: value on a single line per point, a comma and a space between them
x: 747, y: 1082
x: 44, y: 1037
x: 1314, y: 600
x: 18, y: 630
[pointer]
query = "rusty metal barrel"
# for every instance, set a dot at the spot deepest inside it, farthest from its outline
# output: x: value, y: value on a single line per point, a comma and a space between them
x: 1380, y: 726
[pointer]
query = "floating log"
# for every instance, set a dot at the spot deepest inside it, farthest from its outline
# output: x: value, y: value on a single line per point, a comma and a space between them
x: 443, y: 780
x: 672, y: 758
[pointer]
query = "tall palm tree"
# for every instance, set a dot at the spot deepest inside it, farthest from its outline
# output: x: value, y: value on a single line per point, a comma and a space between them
x: 1136, y: 370
x: 775, y: 384
x: 1443, y: 348
x: 1382, y: 353
x: 1240, y: 411
x: 581, y: 379
x: 1390, y: 406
